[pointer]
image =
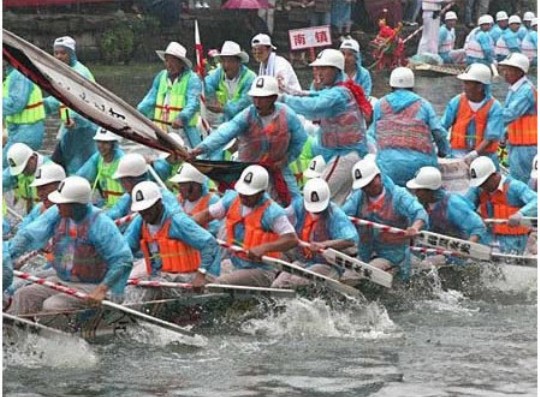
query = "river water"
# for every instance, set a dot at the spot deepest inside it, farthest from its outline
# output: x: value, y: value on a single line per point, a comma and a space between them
x: 480, y: 340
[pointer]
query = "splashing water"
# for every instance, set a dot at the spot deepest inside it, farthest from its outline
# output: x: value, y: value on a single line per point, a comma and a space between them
x: 150, y: 334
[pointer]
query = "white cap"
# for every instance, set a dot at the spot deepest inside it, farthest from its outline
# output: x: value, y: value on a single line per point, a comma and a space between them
x: 65, y: 41
x: 232, y: 49
x: 350, y: 44
x: 534, y: 22
x: 517, y: 60
x: 144, y: 195
x: 514, y: 19
x: 17, y: 157
x: 484, y: 19
x: 73, y: 189
x: 330, y: 57
x: 48, y: 173
x: 106, y: 136
x: 254, y: 179
x: 480, y: 170
x: 131, y: 165
x: 501, y: 16
x: 534, y: 170
x: 402, y: 78
x: 426, y: 178
x: 188, y: 173
x: 528, y: 16
x: 264, y: 86
x: 450, y: 15
x: 316, y: 195
x: 315, y: 168
x: 364, y: 172
x: 262, y: 40
x: 176, y: 50
x: 477, y: 72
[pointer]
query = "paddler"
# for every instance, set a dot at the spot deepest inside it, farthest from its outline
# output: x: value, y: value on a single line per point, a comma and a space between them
x: 350, y: 48
x: 447, y: 40
x: 480, y: 47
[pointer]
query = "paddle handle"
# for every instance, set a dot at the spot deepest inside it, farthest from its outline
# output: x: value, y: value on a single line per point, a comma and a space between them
x: 157, y: 284
x: 375, y: 225
x: 125, y: 219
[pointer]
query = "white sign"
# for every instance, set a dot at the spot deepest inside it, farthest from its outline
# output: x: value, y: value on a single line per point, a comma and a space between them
x: 316, y: 36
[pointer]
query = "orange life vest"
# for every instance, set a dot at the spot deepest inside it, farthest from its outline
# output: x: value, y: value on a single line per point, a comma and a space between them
x: 313, y: 231
x: 201, y: 205
x: 176, y: 256
x: 254, y: 235
x: 498, y: 202
x: 464, y: 117
x: 524, y: 130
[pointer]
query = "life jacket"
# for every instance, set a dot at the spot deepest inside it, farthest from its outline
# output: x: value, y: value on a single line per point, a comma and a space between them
x: 528, y: 47
x: 313, y: 230
x: 110, y: 188
x: 301, y: 164
x: 473, y: 48
x: 465, y: 115
x: 201, y: 205
x: 222, y: 93
x: 501, y: 47
x: 402, y: 130
x: 346, y: 129
x: 265, y: 144
x: 25, y: 192
x: 524, y: 130
x: 447, y: 44
x: 254, y: 234
x: 171, y: 99
x: 175, y: 255
x: 439, y: 221
x: 496, y: 206
x: 34, y: 110
x: 48, y: 251
x: 75, y: 256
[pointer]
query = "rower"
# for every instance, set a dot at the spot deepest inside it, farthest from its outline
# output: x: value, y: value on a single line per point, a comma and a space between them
x: 194, y: 196
x: 226, y: 88
x: 342, y: 111
x: 529, y: 45
x: 510, y: 41
x: 502, y: 24
x: 23, y: 165
x: 528, y: 19
x: 405, y: 128
x: 474, y: 117
x: 254, y: 221
x: 350, y: 48
x: 500, y: 197
x: 268, y: 133
x: 133, y: 169
x: 173, y: 102
x: 376, y: 198
x: 90, y: 254
x: 449, y: 213
x: 479, y: 46
x: 520, y: 116
x: 76, y: 133
x: 323, y: 225
x: 175, y: 248
x: 447, y: 40
x: 100, y: 168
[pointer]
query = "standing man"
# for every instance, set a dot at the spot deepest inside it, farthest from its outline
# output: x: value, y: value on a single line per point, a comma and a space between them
x: 353, y: 65
x: 447, y: 40
x: 520, y: 116
x: 173, y: 101
x: 431, y: 21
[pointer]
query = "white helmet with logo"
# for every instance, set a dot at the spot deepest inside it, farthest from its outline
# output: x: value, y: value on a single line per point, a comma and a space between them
x: 364, y: 172
x: 477, y: 72
x: 48, y: 173
x: 104, y: 135
x: 316, y: 195
x: 480, y: 170
x: 72, y: 190
x: 254, y: 179
x: 188, y: 173
x: 17, y: 156
x: 330, y: 57
x: 264, y: 86
x: 426, y: 178
x: 402, y: 78
x: 131, y: 165
x: 315, y: 168
x: 144, y: 195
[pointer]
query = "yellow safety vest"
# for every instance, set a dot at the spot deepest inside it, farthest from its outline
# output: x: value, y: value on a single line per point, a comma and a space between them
x: 34, y: 110
x: 111, y: 189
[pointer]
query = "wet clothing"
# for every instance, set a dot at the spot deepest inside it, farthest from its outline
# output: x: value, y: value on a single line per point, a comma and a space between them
x: 362, y: 77
x: 480, y: 48
x: 508, y: 43
x: 529, y: 46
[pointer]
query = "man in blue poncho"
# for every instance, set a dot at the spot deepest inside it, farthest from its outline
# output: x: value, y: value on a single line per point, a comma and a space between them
x: 353, y: 65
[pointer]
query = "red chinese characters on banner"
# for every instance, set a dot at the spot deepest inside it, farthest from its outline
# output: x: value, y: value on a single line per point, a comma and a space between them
x: 316, y: 36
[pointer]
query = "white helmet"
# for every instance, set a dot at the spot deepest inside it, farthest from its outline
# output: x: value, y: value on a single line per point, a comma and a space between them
x: 477, y: 72
x: 534, y: 22
x: 501, y: 16
x: 48, y: 173
x: 264, y: 86
x: 534, y: 170
x: 480, y: 170
x: 104, y: 135
x: 350, y: 44
x: 450, y: 15
x: 188, y: 173
x: 315, y: 168
x: 131, y: 165
x: 517, y: 60
x: 514, y: 19
x: 144, y: 195
x: 316, y: 195
x: 426, y: 178
x: 402, y: 78
x: 73, y: 189
x: 528, y: 16
x: 330, y: 57
x: 254, y: 179
x: 364, y: 172
x: 17, y: 156
x: 485, y: 19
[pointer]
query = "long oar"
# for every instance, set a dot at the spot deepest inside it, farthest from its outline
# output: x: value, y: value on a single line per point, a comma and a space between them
x: 14, y: 213
x: 525, y: 221
x: 279, y: 264
x: 510, y: 259
x: 15, y: 319
x: 369, y: 272
x: 112, y: 305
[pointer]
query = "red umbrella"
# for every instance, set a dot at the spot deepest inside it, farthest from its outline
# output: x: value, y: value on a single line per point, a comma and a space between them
x: 245, y: 4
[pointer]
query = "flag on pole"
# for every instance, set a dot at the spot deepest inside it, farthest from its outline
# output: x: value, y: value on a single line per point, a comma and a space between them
x: 199, y: 55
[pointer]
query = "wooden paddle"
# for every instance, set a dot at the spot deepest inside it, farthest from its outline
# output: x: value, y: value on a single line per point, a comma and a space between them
x: 40, y: 327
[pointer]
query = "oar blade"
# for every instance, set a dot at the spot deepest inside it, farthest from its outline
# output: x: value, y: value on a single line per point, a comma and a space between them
x: 463, y: 247
x: 254, y: 291
x: 517, y: 260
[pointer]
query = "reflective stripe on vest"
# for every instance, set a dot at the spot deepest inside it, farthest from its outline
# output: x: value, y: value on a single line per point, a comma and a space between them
x: 345, y: 129
x: 448, y: 44
x: 25, y: 192
x: 34, y: 110
x: 175, y: 256
x: 464, y: 117
x: 222, y: 92
x: 524, y: 130
x: 473, y: 49
x: 528, y: 48
x: 402, y: 130
x: 496, y: 206
x: 110, y: 188
x: 254, y: 235
x: 501, y: 49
